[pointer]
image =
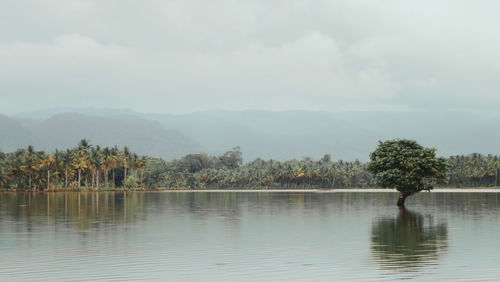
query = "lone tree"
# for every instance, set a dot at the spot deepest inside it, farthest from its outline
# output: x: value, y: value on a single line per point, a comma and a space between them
x: 407, y: 166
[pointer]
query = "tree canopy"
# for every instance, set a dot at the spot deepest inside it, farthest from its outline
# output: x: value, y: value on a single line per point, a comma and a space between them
x: 406, y: 166
x: 91, y: 166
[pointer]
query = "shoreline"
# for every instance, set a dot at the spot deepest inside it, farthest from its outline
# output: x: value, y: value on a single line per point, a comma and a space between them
x: 245, y: 190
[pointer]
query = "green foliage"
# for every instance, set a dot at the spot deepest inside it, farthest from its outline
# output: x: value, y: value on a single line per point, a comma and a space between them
x: 474, y: 170
x: 202, y: 171
x: 84, y: 165
x: 4, y: 173
x: 407, y: 166
x: 131, y: 182
x: 90, y: 166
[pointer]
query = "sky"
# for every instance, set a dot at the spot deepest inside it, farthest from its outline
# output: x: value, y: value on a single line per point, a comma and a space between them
x: 191, y: 55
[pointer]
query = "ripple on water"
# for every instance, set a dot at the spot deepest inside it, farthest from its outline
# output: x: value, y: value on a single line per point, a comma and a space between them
x: 268, y: 236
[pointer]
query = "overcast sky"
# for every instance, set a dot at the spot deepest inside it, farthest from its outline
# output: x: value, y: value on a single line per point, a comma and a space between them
x: 183, y: 56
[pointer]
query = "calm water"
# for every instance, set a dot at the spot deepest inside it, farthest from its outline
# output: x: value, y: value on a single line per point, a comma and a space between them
x: 227, y: 236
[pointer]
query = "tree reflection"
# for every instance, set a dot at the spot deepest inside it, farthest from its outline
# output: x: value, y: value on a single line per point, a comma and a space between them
x: 408, y: 241
x: 82, y: 210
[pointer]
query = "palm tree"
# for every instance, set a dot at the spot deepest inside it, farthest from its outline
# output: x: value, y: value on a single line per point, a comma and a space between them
x: 109, y: 161
x: 58, y: 165
x: 141, y: 165
x: 116, y: 157
x: 125, y: 159
x: 31, y: 161
x: 96, y: 163
x: 494, y: 163
x: 80, y: 164
x: 48, y: 163
x: 84, y: 145
x: 15, y: 167
x: 4, y: 173
x: 68, y: 158
x: 82, y: 159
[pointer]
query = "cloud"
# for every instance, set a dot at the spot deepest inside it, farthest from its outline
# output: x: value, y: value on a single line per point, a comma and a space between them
x: 180, y: 56
x: 77, y: 68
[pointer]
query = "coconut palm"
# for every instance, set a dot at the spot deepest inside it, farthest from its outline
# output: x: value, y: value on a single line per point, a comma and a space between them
x: 31, y: 162
x: 48, y: 163
x: 4, y: 173
x: 494, y: 164
x: 96, y: 164
x: 67, y: 164
x: 109, y: 161
x: 141, y: 166
x: 80, y: 163
x: 125, y: 158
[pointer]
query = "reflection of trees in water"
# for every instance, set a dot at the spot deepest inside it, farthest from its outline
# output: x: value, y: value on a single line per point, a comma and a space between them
x: 408, y: 241
x: 85, y: 210
x: 82, y: 210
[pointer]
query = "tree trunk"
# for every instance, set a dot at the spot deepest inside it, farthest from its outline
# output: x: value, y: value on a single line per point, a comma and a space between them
x: 402, y: 198
x: 48, y: 179
x: 79, y: 178
x: 97, y: 180
x: 125, y: 174
x: 66, y: 178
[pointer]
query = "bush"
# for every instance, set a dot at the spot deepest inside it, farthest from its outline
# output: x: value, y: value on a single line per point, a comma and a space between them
x: 131, y: 183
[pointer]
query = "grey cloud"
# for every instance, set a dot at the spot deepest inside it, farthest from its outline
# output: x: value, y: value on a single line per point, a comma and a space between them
x: 181, y: 56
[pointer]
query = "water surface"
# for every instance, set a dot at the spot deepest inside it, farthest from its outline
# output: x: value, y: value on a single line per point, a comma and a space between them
x: 267, y: 236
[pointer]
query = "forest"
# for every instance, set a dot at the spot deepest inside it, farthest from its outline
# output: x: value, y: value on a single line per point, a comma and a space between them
x: 86, y: 166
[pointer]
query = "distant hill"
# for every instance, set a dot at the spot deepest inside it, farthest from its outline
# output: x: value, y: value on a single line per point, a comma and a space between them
x: 264, y: 134
x: 13, y: 134
x: 64, y: 130
x: 277, y: 135
x: 344, y: 135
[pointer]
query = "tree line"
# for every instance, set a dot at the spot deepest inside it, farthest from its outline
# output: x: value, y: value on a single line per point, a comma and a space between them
x: 83, y: 166
x: 227, y: 170
x: 86, y: 166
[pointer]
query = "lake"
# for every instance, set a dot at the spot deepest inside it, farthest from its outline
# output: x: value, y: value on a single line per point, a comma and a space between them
x: 251, y: 236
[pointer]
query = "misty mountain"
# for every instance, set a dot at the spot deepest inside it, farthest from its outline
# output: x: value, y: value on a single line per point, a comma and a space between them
x: 13, y: 134
x: 259, y: 134
x: 43, y: 114
x: 65, y: 130
x: 276, y: 135
x: 344, y: 135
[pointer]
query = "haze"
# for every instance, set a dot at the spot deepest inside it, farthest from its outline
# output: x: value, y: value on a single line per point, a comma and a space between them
x: 185, y: 56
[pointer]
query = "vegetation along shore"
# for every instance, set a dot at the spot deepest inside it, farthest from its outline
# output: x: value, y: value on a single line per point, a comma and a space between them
x: 88, y: 167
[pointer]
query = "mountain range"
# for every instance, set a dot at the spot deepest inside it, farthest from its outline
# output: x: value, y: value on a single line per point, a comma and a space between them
x: 259, y: 134
x: 64, y: 130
